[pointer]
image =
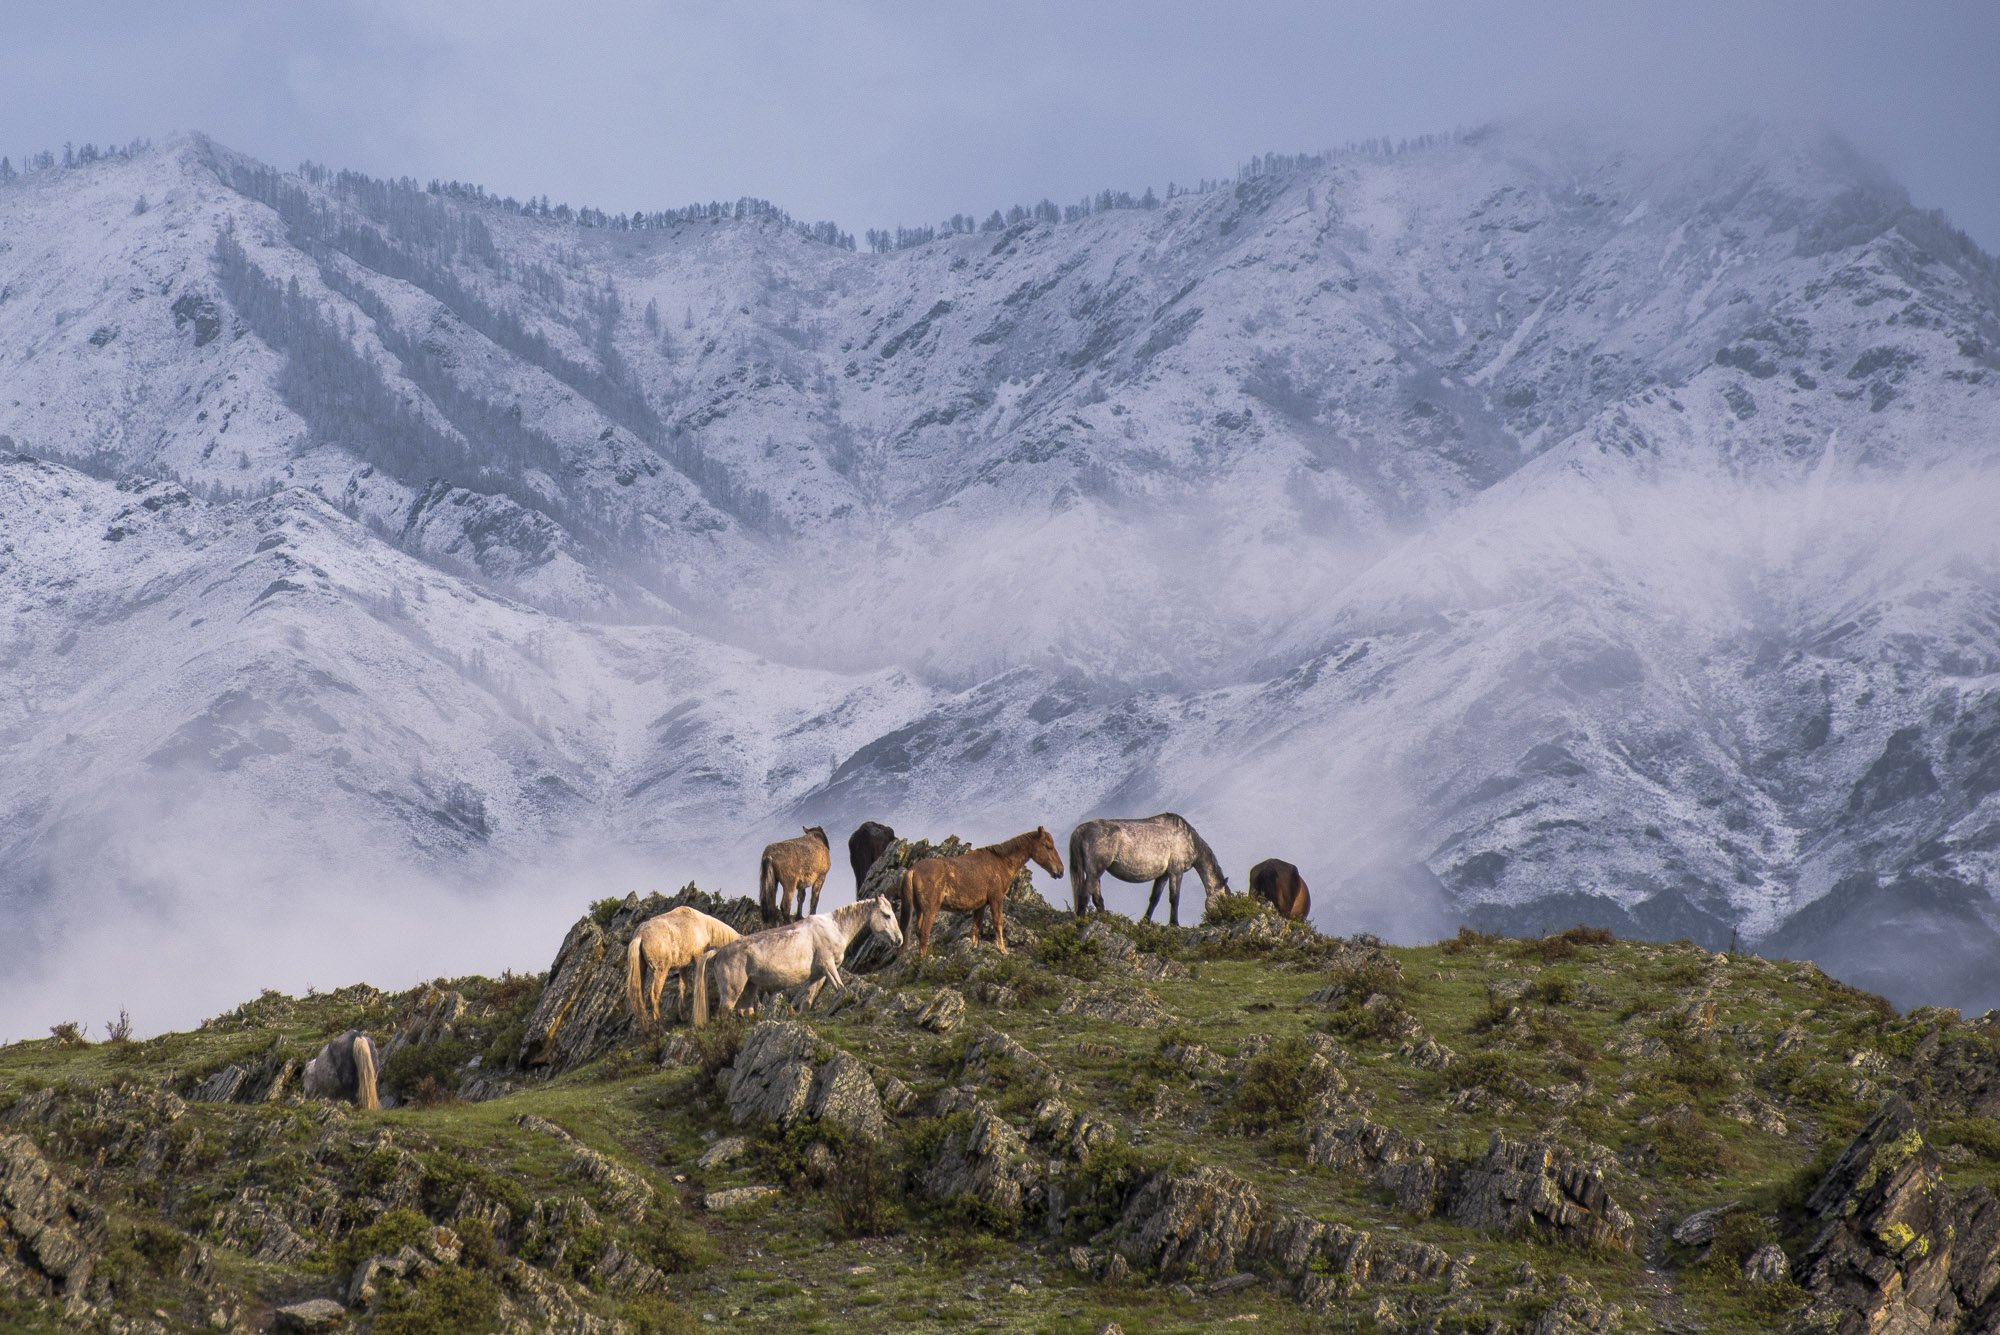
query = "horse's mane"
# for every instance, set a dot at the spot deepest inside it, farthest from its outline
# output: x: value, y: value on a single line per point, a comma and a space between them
x: 1204, y: 855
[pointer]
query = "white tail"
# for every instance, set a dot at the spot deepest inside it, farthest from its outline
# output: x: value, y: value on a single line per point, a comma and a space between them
x: 364, y: 1073
x: 698, y: 1014
x: 635, y: 982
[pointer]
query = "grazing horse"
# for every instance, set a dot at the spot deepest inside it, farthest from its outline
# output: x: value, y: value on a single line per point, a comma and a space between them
x: 1160, y: 849
x: 866, y: 846
x: 795, y: 866
x: 1279, y: 884
x: 344, y: 1069
x: 783, y: 957
x: 667, y: 944
x: 974, y: 883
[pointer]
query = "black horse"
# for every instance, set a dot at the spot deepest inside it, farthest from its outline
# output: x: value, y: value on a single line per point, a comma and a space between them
x: 865, y: 846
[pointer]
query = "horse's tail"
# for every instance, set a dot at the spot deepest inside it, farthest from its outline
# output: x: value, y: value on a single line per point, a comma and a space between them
x: 1077, y: 876
x: 767, y: 888
x: 364, y: 1073
x: 698, y: 1008
x: 635, y: 982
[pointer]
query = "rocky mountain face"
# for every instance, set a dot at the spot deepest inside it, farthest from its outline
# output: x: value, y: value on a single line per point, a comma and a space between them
x: 1524, y: 528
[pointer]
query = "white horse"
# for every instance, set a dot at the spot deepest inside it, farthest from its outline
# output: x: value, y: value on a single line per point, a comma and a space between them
x: 784, y: 957
x: 665, y: 945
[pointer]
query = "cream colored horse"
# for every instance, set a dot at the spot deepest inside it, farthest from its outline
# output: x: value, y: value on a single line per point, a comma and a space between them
x: 666, y: 945
x: 784, y: 957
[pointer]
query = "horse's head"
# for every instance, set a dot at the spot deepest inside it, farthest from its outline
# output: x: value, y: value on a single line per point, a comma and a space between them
x: 816, y: 832
x: 882, y: 919
x: 1045, y: 854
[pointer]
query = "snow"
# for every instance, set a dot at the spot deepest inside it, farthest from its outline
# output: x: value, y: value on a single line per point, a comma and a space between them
x: 1560, y: 607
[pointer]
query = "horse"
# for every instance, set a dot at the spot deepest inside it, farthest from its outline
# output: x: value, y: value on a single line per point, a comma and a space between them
x: 795, y: 866
x: 974, y: 883
x: 786, y: 956
x: 866, y: 846
x: 1279, y: 884
x: 1160, y: 849
x: 344, y: 1069
x: 667, y: 944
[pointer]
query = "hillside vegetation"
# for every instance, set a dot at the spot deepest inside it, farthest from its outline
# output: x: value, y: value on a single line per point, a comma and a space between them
x: 1167, y: 1129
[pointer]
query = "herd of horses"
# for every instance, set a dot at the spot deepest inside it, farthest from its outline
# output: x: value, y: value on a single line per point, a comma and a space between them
x: 798, y: 943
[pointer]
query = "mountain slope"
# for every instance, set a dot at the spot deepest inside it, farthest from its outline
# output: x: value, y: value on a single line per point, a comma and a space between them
x: 1530, y: 527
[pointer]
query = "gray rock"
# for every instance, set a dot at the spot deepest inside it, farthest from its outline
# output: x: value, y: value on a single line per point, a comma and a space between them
x: 1528, y: 1185
x: 843, y: 1094
x: 772, y: 1078
x: 945, y: 1012
x: 222, y: 1087
x: 1766, y: 1265
x: 50, y: 1237
x: 1698, y: 1229
x: 723, y: 1152
x: 986, y: 1162
x: 314, y: 1314
x: 1201, y: 1222
x: 735, y: 1198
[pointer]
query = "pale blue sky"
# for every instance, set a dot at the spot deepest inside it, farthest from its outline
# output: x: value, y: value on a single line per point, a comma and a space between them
x: 880, y: 111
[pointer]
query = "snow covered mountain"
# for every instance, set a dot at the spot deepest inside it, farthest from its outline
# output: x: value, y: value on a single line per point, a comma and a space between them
x: 1521, y: 528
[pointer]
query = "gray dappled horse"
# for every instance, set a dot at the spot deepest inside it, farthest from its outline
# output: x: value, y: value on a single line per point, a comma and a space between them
x: 1160, y: 849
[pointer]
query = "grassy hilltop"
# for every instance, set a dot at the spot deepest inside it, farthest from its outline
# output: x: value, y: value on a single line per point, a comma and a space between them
x: 1168, y: 1129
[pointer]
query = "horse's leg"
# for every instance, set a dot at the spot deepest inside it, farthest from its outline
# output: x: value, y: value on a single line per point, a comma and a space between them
x: 1097, y: 891
x: 816, y: 889
x: 998, y: 905
x: 1173, y: 880
x: 1153, y: 900
x: 829, y: 965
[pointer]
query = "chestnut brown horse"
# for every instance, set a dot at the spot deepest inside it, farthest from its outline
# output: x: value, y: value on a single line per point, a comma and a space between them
x: 974, y: 883
x: 792, y: 866
x: 1279, y: 884
x: 866, y: 846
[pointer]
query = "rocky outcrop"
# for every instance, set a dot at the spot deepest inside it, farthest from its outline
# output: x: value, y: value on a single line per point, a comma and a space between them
x: 583, y: 1013
x: 1896, y: 1249
x: 981, y: 1161
x: 784, y: 1073
x: 1196, y: 1223
x: 1399, y: 1164
x: 1532, y: 1186
x: 50, y: 1236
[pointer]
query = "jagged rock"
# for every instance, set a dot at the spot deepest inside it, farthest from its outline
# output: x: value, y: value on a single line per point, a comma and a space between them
x: 315, y: 1314
x: 987, y: 1162
x: 220, y: 1087
x: 1200, y: 1222
x: 772, y: 1077
x: 1531, y: 1186
x: 1399, y: 1164
x: 1194, y: 1058
x: 554, y: 1225
x: 1233, y: 1283
x: 624, y: 1274
x: 1698, y: 1229
x: 364, y: 1286
x: 626, y: 1192
x: 1896, y: 1250
x: 1328, y: 1262
x: 993, y: 1054
x: 1750, y: 1110
x: 1139, y: 1010
x: 1766, y: 1265
x: 50, y: 1236
x: 944, y: 1014
x: 583, y: 1012
x: 897, y: 1097
x: 843, y: 1094
x: 1069, y: 1132
x: 678, y: 1050
x: 1426, y: 1053
x: 735, y: 1198
x: 723, y: 1152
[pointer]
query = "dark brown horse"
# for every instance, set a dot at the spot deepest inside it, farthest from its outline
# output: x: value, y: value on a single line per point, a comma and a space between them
x: 1279, y: 884
x: 867, y: 844
x: 973, y: 883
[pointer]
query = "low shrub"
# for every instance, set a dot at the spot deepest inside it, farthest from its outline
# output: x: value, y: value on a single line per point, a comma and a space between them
x: 861, y: 1192
x: 1279, y: 1085
x: 1066, y: 950
x: 448, y: 1300
x: 1468, y: 939
x: 1564, y: 945
x: 434, y: 1067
